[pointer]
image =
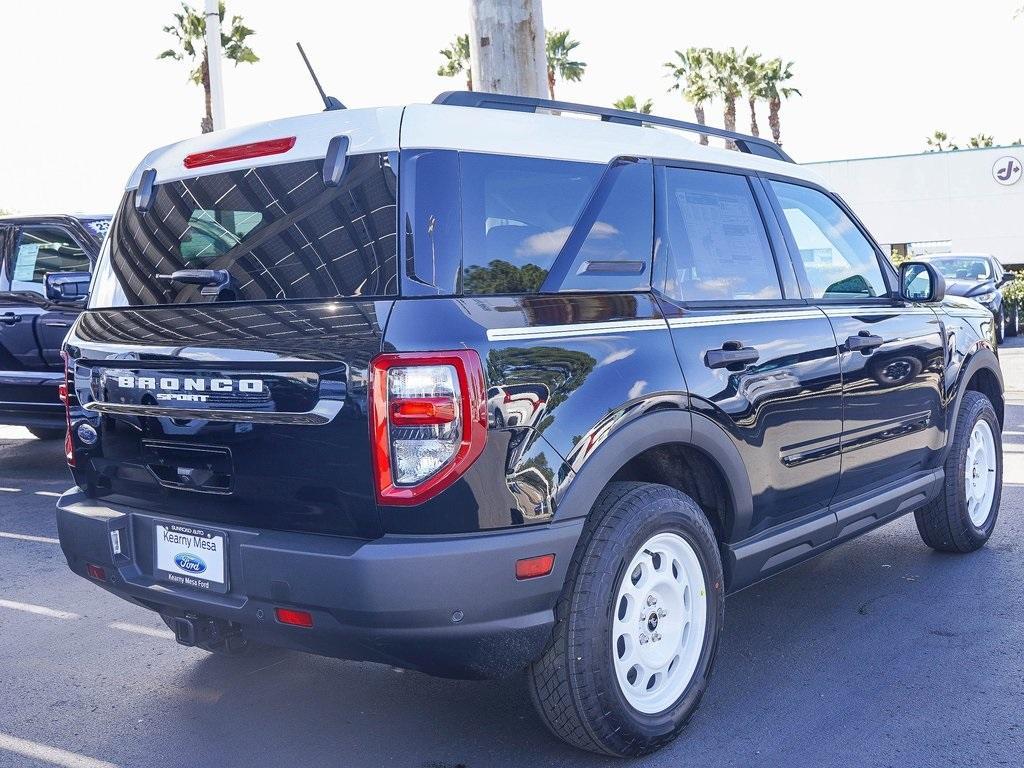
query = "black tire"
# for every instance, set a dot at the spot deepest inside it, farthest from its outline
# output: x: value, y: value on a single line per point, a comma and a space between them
x: 499, y: 420
x: 945, y: 524
x: 1013, y: 327
x: 999, y: 328
x: 573, y: 685
x: 42, y: 433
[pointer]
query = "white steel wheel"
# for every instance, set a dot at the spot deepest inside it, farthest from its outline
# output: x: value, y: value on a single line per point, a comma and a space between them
x: 658, y: 628
x: 980, y: 473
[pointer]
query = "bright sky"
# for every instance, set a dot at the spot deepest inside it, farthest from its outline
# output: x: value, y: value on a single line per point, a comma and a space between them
x: 85, y: 98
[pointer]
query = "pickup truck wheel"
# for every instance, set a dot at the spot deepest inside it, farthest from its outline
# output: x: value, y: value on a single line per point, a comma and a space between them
x: 964, y: 515
x: 637, y: 624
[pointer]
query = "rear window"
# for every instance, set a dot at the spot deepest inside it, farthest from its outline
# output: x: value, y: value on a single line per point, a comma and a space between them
x: 278, y: 231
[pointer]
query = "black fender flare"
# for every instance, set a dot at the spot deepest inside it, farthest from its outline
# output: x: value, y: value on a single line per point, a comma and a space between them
x: 576, y: 495
x: 982, y: 358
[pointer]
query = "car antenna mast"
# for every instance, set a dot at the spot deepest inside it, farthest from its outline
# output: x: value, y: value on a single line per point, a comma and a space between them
x: 329, y: 101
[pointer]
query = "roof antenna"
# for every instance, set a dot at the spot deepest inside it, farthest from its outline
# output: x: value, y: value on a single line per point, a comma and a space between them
x: 329, y: 101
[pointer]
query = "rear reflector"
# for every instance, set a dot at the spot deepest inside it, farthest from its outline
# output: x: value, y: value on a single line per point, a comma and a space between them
x: 293, y: 617
x: 96, y: 572
x: 240, y: 152
x: 533, y: 567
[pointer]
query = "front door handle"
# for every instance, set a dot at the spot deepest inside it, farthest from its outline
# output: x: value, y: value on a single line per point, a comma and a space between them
x: 732, y: 353
x: 9, y: 318
x: 865, y: 342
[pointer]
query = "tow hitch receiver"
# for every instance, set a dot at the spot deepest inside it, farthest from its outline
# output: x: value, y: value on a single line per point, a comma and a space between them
x: 207, y: 633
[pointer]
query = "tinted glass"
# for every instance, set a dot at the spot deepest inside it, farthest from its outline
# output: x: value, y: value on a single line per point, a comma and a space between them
x: 433, y: 221
x: 711, y: 241
x: 615, y: 233
x: 517, y: 214
x: 277, y: 230
x: 42, y: 249
x: 840, y: 263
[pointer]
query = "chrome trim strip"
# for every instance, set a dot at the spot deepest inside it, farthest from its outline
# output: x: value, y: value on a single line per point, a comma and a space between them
x: 322, y: 413
x: 767, y: 317
x: 573, y: 329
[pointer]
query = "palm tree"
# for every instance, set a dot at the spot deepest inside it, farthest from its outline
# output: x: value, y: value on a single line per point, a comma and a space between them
x: 981, y: 140
x: 558, y: 47
x: 692, y: 77
x: 940, y: 142
x: 776, y: 74
x: 752, y: 71
x: 727, y: 84
x: 189, y: 30
x: 457, y: 60
x: 629, y: 104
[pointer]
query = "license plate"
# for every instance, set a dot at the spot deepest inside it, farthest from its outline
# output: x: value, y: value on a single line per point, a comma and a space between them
x: 191, y: 557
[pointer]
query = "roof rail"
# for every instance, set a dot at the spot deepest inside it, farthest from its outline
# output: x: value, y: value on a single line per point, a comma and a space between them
x: 752, y: 145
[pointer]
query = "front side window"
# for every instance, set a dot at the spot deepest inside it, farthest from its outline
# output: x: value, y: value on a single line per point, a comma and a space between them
x: 278, y: 231
x: 838, y: 260
x: 711, y: 240
x: 42, y: 249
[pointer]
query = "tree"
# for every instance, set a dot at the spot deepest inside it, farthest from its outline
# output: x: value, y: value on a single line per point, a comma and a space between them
x: 940, y: 142
x: 558, y: 48
x: 776, y: 74
x: 691, y: 72
x: 189, y: 31
x: 752, y: 76
x: 727, y: 84
x: 980, y: 141
x: 629, y: 104
x: 457, y: 60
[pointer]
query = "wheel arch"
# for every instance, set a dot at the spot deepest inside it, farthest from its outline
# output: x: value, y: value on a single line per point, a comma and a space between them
x: 979, y: 373
x: 685, y: 450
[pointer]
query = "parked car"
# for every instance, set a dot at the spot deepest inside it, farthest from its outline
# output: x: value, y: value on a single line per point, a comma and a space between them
x: 980, y: 276
x: 45, y: 263
x: 731, y: 378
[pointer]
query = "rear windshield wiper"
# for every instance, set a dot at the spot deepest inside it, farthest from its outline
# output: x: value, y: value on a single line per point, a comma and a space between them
x: 213, y: 280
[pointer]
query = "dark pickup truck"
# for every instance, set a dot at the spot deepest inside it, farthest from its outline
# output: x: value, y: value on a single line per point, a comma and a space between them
x: 45, y: 263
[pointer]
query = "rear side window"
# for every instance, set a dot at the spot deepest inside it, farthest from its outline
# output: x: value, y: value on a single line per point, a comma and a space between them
x: 277, y: 230
x: 518, y: 212
x: 838, y: 261
x: 42, y: 249
x: 711, y: 240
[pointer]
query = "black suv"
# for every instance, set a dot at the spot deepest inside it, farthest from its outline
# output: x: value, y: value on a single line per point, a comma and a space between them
x: 476, y: 388
x: 45, y: 263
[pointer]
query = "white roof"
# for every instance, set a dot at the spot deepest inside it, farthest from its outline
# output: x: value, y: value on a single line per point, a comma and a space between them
x: 471, y: 129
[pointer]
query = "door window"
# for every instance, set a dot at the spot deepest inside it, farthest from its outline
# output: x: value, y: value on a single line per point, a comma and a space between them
x: 838, y: 260
x: 42, y: 249
x: 711, y: 240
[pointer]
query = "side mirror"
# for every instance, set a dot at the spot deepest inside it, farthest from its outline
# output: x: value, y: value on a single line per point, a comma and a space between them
x: 67, y: 287
x: 920, y: 281
x: 1006, y: 278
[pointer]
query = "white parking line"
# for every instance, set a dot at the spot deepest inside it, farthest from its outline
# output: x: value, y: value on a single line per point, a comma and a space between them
x: 10, y: 490
x: 26, y: 537
x: 163, y: 634
x: 38, y: 610
x: 48, y: 754
x: 48, y: 493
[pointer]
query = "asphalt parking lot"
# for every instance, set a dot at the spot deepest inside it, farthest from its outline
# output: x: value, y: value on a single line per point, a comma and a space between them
x: 879, y: 653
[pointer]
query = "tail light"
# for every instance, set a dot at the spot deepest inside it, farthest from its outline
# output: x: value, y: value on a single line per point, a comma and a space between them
x: 428, y: 416
x: 64, y: 391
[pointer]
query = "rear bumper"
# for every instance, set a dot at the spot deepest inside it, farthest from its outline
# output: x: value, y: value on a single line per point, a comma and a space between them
x: 393, y: 600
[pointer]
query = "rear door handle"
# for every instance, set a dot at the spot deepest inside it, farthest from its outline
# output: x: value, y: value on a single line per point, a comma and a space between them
x: 865, y: 342
x: 732, y: 353
x: 9, y: 318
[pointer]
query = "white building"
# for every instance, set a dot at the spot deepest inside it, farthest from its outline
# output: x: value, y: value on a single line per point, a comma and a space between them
x: 969, y: 200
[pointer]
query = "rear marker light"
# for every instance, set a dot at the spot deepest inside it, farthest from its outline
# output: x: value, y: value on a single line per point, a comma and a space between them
x: 534, y: 567
x: 240, y: 152
x: 96, y: 572
x: 294, y: 618
x: 428, y: 420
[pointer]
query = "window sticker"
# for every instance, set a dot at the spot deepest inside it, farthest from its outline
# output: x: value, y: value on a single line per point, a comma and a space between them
x: 25, y: 262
